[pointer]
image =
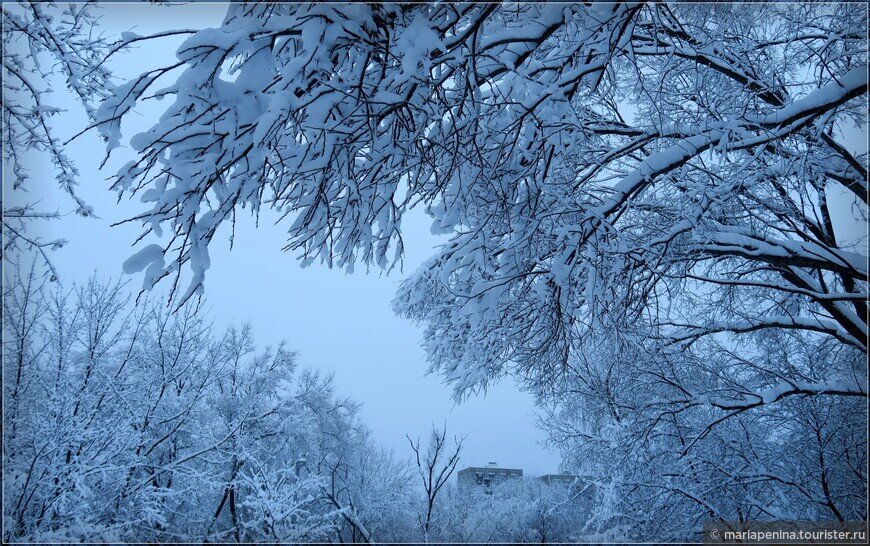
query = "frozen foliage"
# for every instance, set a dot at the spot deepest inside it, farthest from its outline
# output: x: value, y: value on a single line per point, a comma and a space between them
x: 51, y: 53
x: 45, y: 45
x: 124, y: 423
x: 527, y: 511
x: 39, y: 42
x: 651, y: 212
x: 662, y: 170
x: 671, y: 440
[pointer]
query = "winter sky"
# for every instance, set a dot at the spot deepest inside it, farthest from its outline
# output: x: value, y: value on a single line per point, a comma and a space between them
x: 338, y: 322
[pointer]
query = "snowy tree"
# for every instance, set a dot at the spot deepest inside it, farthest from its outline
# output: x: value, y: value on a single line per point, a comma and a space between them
x: 128, y: 422
x: 656, y: 216
x: 517, y: 510
x: 656, y: 211
x: 663, y: 462
x: 601, y: 165
x: 374, y: 491
x: 45, y: 46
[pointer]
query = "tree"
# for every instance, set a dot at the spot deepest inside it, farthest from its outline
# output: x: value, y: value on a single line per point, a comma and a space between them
x: 526, y: 510
x: 642, y: 202
x: 705, y: 209
x: 435, y: 466
x: 656, y: 215
x: 41, y: 45
x: 126, y: 422
x: 663, y: 463
x: 374, y: 492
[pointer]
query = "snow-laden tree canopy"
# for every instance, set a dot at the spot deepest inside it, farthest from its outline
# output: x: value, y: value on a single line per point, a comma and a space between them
x: 125, y: 423
x: 656, y: 217
x: 665, y: 171
x: 58, y: 42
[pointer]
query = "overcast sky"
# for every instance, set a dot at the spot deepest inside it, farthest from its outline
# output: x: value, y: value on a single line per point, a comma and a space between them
x: 338, y: 322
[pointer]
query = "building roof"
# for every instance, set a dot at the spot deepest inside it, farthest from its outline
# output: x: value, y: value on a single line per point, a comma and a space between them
x: 489, y: 469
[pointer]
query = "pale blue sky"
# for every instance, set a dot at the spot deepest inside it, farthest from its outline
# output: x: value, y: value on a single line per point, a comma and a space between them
x: 338, y: 322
